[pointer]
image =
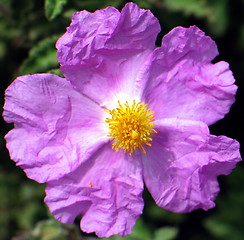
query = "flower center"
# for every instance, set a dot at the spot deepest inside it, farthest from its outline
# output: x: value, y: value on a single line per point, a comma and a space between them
x: 130, y: 126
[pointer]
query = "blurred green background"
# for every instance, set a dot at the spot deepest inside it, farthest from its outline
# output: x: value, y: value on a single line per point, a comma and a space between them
x: 28, y: 32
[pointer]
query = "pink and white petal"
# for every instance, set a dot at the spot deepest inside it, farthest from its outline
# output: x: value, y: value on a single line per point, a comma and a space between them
x: 180, y: 81
x: 182, y: 175
x: 106, y: 190
x: 56, y: 128
x: 102, y: 52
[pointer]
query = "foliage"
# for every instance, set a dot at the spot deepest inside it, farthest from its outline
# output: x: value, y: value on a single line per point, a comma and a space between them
x: 53, y: 8
x: 28, y: 32
x: 41, y: 57
x: 226, y: 222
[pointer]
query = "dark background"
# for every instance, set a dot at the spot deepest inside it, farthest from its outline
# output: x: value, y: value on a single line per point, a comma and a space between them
x: 28, y: 32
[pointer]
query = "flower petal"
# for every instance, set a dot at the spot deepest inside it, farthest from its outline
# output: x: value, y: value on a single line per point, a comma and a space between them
x: 182, y: 176
x: 102, y: 52
x: 56, y: 128
x: 180, y: 80
x: 106, y: 190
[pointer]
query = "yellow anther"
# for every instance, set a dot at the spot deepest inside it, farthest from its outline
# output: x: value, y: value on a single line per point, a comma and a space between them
x: 130, y: 126
x: 134, y: 135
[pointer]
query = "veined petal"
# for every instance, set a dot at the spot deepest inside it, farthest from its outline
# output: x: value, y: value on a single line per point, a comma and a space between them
x: 106, y: 190
x: 180, y: 80
x: 182, y: 176
x: 102, y: 52
x: 56, y: 128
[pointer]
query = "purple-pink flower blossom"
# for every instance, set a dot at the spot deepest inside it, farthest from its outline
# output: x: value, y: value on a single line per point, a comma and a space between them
x: 126, y: 113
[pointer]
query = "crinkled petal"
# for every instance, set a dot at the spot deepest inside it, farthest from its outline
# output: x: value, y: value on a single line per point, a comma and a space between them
x: 182, y: 175
x: 179, y: 79
x: 102, y: 52
x: 56, y: 128
x: 106, y: 190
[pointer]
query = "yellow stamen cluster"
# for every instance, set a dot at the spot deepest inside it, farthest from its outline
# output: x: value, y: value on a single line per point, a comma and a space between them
x: 130, y: 126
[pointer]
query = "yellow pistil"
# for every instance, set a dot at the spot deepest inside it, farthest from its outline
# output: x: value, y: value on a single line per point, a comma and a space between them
x: 130, y: 126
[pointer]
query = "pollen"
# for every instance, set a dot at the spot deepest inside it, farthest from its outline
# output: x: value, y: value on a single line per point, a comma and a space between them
x: 130, y: 126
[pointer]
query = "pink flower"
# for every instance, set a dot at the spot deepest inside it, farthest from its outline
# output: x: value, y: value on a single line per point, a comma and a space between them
x: 126, y: 113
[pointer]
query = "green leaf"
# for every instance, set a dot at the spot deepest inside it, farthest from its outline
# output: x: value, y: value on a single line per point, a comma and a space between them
x: 215, y: 12
x: 198, y: 8
x: 157, y: 214
x: 220, y: 19
x: 51, y: 230
x: 57, y: 72
x: 53, y: 8
x: 166, y: 233
x: 92, y: 5
x: 227, y: 221
x: 113, y: 3
x: 140, y: 232
x: 42, y: 57
x: 144, y: 3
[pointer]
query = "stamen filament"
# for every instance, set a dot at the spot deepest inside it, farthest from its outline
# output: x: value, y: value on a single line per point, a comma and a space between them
x: 130, y: 126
